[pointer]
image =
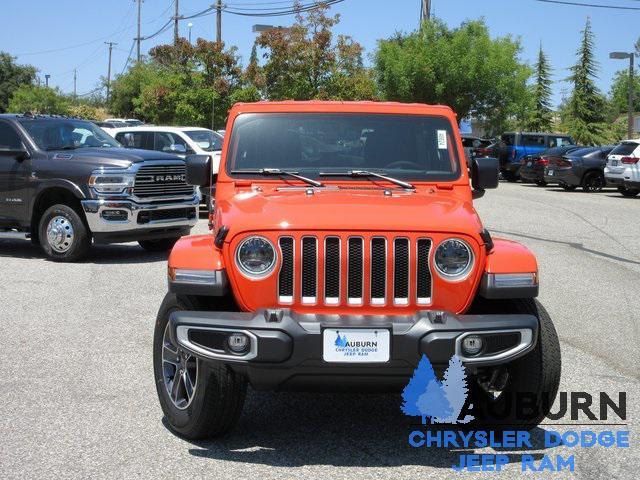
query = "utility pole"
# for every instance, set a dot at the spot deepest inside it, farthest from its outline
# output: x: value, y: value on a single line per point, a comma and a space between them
x: 111, y: 44
x: 219, y: 21
x: 75, y: 78
x: 46, y: 80
x: 425, y: 10
x: 631, y: 102
x: 139, y: 37
x: 176, y: 34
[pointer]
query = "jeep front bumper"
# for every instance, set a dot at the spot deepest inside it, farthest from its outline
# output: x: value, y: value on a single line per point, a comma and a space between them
x: 121, y: 216
x: 286, y: 349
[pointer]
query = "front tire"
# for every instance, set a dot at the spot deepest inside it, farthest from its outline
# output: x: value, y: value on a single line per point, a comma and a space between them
x: 536, y: 374
x: 593, y: 182
x: 628, y: 192
x: 213, y: 405
x: 63, y: 235
x: 160, y: 245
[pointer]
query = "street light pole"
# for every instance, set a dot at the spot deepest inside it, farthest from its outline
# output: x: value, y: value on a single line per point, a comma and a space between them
x: 630, y: 112
x: 46, y: 80
x: 189, y: 25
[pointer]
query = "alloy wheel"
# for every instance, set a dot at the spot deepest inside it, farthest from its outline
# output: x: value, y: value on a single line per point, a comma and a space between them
x: 179, y: 372
x: 60, y: 234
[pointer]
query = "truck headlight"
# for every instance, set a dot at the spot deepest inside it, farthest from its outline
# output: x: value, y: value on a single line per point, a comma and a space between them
x: 256, y: 257
x: 111, y: 182
x: 453, y: 259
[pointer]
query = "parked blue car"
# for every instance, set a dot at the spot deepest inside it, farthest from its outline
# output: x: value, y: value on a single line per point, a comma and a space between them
x: 515, y: 145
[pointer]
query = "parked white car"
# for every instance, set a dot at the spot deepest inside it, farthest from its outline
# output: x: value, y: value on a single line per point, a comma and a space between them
x: 623, y: 167
x: 131, y: 122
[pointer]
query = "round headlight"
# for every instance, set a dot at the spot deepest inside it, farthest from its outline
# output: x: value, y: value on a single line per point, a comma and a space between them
x: 256, y: 257
x: 453, y: 258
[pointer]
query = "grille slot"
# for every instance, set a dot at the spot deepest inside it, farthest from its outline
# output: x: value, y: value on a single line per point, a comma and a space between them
x: 355, y: 272
x: 401, y: 271
x: 162, y: 181
x: 285, y: 278
x: 378, y: 270
x: 309, y: 275
x: 423, y: 272
x: 332, y: 270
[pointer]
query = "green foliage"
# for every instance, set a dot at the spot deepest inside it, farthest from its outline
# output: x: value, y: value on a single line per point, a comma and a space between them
x: 462, y: 67
x: 35, y: 99
x: 586, y: 117
x: 619, y: 93
x: 12, y: 76
x: 304, y: 62
x: 541, y: 117
x: 87, y: 111
x: 180, y: 84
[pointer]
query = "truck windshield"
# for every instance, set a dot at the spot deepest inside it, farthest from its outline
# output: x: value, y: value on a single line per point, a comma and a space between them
x: 409, y: 147
x: 66, y: 134
x: 206, y: 139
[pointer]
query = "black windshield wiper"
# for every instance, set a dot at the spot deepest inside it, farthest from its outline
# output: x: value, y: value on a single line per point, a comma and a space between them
x: 367, y: 173
x: 277, y: 171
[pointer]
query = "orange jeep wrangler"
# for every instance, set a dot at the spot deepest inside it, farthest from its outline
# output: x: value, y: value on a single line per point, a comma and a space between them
x: 344, y: 246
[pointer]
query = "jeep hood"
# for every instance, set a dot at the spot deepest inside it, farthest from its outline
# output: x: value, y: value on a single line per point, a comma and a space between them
x: 350, y: 210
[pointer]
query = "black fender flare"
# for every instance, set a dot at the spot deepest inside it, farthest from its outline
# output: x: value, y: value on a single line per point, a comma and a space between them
x: 46, y: 185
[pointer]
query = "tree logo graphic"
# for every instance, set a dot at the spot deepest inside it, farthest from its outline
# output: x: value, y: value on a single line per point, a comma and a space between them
x: 440, y: 402
x: 341, y: 341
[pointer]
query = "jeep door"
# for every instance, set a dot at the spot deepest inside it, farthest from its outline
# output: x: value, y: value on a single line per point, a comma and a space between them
x: 14, y: 177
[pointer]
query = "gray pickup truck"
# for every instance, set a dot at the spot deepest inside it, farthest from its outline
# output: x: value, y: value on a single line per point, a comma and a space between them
x: 65, y: 183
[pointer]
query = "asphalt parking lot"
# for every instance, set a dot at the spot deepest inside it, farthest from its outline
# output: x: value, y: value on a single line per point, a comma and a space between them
x: 77, y: 392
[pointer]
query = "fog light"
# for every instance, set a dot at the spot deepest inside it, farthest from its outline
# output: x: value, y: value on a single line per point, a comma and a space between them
x: 238, y: 342
x: 472, y: 344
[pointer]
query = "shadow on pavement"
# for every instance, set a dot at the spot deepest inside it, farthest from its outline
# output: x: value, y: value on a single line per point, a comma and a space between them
x: 344, y: 430
x: 99, y: 254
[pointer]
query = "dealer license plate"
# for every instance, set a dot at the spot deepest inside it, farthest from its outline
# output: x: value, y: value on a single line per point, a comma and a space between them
x: 550, y: 173
x: 355, y: 345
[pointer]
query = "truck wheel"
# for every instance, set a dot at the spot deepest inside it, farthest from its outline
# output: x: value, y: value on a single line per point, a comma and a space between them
x: 63, y: 235
x: 199, y: 399
x: 593, y: 182
x: 628, y: 192
x: 533, y: 378
x: 160, y: 245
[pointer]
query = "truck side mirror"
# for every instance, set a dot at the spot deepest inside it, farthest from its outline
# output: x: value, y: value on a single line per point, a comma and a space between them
x: 177, y: 148
x: 198, y: 170
x: 484, y: 175
x: 19, y: 154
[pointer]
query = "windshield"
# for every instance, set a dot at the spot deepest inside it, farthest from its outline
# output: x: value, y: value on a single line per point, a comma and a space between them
x: 410, y: 147
x: 63, y: 133
x: 206, y: 139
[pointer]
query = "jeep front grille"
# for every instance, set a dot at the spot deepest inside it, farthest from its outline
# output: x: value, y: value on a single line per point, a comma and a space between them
x: 355, y: 270
x: 162, y: 181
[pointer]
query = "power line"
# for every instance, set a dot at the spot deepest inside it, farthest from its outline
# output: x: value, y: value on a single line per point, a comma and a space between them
x: 580, y: 4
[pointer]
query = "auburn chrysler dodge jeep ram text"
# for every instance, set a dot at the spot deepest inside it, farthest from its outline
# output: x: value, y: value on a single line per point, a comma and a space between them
x: 64, y: 182
x: 336, y: 264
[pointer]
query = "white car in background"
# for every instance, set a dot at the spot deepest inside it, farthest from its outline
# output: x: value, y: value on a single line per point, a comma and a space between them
x: 623, y: 167
x: 131, y: 122
x: 181, y: 141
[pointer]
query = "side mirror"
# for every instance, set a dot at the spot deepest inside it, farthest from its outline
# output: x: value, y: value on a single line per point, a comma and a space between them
x: 198, y: 170
x: 19, y: 154
x: 484, y: 175
x: 177, y: 148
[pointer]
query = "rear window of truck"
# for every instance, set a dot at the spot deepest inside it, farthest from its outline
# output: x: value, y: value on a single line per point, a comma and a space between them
x: 412, y: 147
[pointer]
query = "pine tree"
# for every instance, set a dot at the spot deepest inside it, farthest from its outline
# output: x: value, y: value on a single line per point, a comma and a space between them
x: 587, y: 112
x: 542, y: 115
x: 433, y: 403
x: 418, y: 384
x: 455, y: 388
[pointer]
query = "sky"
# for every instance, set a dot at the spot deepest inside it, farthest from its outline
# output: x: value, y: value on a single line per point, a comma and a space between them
x: 62, y: 35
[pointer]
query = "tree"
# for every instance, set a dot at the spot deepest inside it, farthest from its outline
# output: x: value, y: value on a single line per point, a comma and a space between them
x: 462, y: 67
x: 433, y: 403
x: 127, y: 88
x: 12, y: 76
x: 586, y: 110
x: 541, y: 119
x: 619, y: 93
x: 455, y: 389
x: 35, y: 99
x: 304, y: 62
x: 418, y: 384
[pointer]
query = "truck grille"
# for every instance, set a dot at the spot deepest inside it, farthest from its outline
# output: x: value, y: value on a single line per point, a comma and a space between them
x: 162, y: 181
x: 377, y: 270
